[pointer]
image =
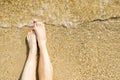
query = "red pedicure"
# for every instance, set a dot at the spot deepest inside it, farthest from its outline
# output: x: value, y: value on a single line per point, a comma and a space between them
x: 34, y: 21
x: 32, y: 30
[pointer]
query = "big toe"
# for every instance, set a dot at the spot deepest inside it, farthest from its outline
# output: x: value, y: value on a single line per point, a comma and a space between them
x: 38, y: 23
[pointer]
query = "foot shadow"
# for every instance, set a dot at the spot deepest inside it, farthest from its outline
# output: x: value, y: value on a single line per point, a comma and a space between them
x: 27, y: 52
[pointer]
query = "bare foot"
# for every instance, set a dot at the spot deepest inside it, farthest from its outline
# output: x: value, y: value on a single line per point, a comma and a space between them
x: 31, y: 38
x: 39, y: 29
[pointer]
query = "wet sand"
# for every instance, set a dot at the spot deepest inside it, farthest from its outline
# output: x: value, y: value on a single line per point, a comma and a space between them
x: 83, y: 45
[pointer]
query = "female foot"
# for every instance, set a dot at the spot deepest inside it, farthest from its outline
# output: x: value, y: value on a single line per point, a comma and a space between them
x: 31, y: 38
x: 39, y: 29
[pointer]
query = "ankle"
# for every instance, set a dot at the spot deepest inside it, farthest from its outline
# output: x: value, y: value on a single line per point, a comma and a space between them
x: 42, y: 44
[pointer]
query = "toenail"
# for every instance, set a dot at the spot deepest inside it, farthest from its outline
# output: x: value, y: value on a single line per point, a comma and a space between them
x: 32, y: 30
x: 34, y: 21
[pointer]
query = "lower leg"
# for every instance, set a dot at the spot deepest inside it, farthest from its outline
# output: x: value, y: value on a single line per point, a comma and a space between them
x: 45, y: 67
x: 29, y: 72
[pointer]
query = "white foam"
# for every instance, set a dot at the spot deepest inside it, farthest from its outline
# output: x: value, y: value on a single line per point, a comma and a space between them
x: 20, y: 25
x: 4, y: 25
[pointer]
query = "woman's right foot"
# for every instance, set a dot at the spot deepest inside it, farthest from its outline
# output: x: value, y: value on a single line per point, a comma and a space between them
x: 31, y: 39
x: 39, y: 29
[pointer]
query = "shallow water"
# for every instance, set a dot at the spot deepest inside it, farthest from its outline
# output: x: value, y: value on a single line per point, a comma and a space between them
x: 62, y: 13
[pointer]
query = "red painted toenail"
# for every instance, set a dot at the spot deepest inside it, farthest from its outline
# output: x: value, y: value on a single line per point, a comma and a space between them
x: 34, y: 21
x: 32, y: 30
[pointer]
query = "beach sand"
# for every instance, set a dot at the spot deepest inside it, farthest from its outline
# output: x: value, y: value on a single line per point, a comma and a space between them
x: 83, y: 37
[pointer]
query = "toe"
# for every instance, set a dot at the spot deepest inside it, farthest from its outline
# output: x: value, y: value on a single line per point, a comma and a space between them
x: 33, y: 34
x: 39, y: 23
x: 35, y: 24
x: 29, y: 35
x: 34, y: 21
